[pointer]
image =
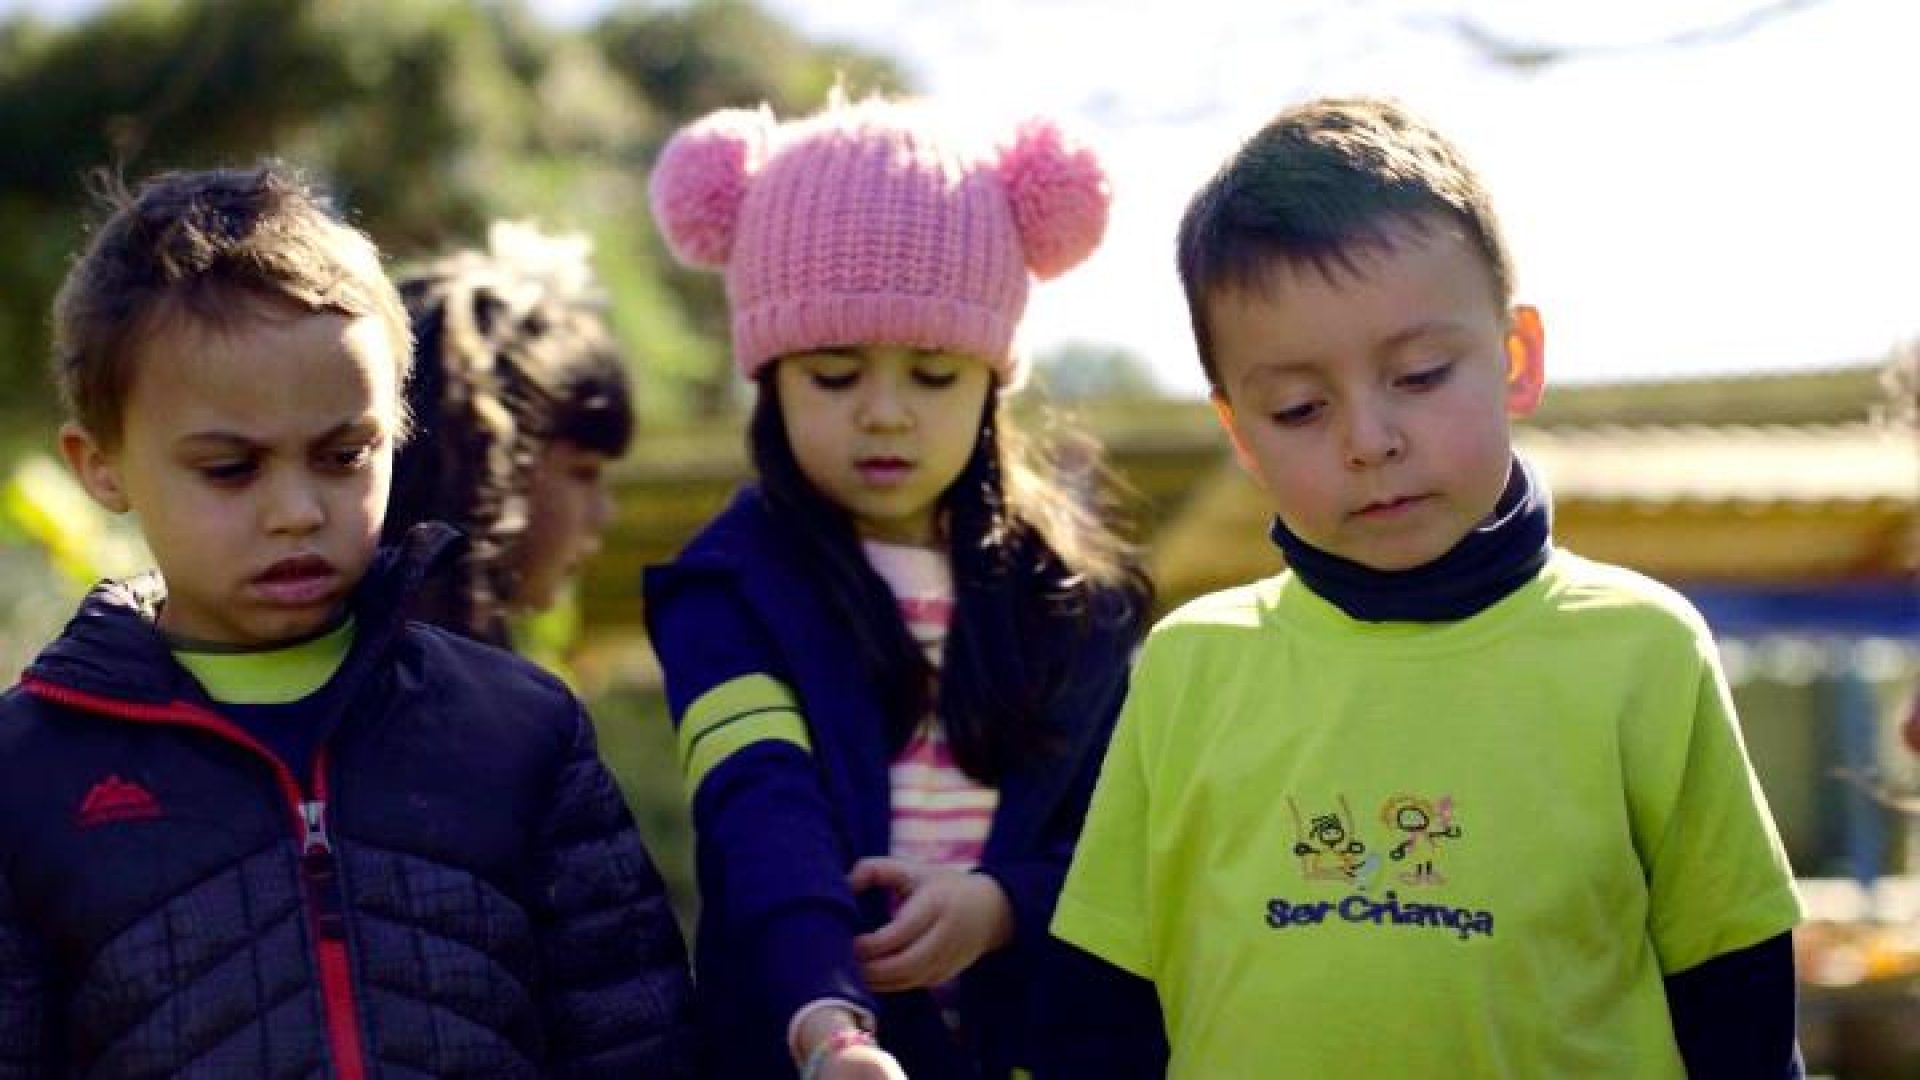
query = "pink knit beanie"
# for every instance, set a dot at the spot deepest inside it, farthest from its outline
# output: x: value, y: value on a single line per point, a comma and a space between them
x: 864, y: 224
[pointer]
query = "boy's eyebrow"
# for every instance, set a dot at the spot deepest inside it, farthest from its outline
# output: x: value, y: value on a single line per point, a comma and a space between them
x: 1428, y: 328
x: 231, y: 440
x: 1391, y: 343
x: 223, y: 440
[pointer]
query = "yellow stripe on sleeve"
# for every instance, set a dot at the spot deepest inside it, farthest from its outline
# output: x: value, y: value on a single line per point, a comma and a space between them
x: 733, y: 716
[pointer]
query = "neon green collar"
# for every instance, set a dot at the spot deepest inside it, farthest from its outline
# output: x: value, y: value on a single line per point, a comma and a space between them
x: 268, y: 676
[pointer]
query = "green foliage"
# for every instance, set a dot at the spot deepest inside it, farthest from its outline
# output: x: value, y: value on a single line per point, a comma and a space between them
x: 712, y: 54
x: 1081, y: 372
x: 42, y: 505
x: 687, y: 60
x: 427, y: 119
x: 54, y: 543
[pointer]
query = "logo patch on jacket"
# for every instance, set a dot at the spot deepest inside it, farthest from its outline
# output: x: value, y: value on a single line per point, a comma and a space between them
x: 113, y: 800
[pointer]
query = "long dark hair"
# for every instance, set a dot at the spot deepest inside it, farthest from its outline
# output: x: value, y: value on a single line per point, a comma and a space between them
x: 1036, y: 566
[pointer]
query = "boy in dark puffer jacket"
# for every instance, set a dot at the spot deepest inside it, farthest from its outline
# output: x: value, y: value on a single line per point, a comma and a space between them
x: 252, y: 821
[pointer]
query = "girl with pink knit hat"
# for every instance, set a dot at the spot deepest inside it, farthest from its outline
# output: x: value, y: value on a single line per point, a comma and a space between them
x: 894, y: 660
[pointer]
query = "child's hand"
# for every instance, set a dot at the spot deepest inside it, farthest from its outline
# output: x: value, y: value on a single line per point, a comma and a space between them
x: 861, y: 1063
x: 831, y: 1047
x: 946, y: 920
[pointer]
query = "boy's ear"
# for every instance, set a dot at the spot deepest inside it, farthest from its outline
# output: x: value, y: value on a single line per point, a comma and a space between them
x: 91, y: 465
x: 1526, y: 361
x: 1223, y: 409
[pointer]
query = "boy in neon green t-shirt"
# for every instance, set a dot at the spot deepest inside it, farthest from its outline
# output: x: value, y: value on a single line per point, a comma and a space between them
x: 1442, y: 799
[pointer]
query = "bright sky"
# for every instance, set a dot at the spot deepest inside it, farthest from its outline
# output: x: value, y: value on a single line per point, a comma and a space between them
x: 1747, y: 205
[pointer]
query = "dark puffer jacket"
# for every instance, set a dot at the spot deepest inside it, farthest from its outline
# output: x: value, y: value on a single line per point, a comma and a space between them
x: 457, y: 890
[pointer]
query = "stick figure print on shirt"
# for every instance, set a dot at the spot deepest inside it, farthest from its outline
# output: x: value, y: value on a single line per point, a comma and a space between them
x: 1422, y: 824
x: 1326, y: 846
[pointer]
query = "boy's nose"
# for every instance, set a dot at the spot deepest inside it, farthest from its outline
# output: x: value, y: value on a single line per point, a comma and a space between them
x: 1373, y: 439
x: 294, y: 507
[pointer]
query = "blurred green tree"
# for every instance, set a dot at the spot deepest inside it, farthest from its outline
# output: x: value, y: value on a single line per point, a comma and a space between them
x: 689, y: 60
x: 1083, y: 371
x: 426, y: 119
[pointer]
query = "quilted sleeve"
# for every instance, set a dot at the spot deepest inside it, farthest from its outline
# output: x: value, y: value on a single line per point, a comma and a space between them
x: 615, y: 985
x: 26, y: 1041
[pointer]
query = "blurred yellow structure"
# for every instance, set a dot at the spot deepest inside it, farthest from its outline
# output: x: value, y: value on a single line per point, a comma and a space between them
x: 1779, y: 479
x: 1779, y: 503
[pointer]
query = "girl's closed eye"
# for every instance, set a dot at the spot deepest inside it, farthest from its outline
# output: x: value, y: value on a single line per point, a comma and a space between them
x: 936, y: 378
x: 834, y: 380
x: 830, y: 369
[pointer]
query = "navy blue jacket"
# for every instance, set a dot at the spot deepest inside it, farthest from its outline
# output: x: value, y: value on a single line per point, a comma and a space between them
x: 457, y: 890
x: 778, y: 827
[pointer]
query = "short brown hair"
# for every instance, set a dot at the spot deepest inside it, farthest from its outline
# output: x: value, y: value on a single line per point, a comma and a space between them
x: 1320, y: 182
x: 190, y: 244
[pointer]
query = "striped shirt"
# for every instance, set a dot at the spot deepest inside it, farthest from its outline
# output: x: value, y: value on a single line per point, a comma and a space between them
x: 940, y: 814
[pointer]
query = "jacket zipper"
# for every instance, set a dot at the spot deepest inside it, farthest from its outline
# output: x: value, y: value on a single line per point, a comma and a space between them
x: 319, y: 873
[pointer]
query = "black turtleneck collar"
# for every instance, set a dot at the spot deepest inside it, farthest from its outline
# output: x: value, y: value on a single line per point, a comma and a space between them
x: 1489, y: 563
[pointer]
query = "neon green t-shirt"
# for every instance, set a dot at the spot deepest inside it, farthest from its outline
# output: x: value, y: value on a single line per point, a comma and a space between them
x: 1467, y: 849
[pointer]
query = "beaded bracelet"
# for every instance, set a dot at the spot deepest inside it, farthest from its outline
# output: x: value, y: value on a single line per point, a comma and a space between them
x: 844, y: 1039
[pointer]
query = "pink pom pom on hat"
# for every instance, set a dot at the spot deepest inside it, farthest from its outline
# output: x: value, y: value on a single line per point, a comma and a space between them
x: 866, y: 224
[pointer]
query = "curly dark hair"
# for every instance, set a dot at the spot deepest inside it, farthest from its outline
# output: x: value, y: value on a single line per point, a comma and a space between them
x: 511, y: 353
